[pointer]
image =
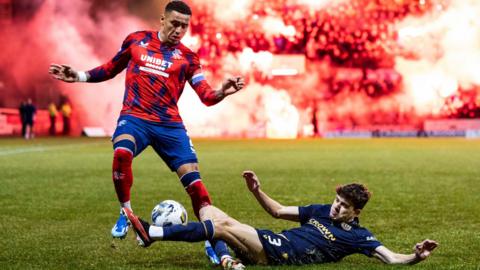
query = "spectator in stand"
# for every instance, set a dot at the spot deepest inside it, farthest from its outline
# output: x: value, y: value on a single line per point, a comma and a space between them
x: 316, y: 132
x: 29, y: 118
x: 21, y: 114
x: 66, y: 110
x: 52, y: 113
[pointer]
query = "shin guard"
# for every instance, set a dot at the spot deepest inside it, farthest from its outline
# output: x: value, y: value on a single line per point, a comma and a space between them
x: 198, y: 193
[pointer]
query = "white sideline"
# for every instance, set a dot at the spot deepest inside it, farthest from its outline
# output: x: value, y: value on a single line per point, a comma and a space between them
x: 16, y: 151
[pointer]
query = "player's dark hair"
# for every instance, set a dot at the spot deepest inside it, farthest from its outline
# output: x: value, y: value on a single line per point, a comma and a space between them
x: 178, y: 6
x: 357, y: 194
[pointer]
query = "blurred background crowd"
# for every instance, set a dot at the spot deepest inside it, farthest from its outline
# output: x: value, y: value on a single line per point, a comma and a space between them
x: 364, y: 63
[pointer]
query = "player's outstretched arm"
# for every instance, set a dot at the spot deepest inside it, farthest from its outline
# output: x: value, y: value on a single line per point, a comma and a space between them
x: 274, y: 208
x: 99, y: 74
x: 422, y: 251
x: 66, y: 73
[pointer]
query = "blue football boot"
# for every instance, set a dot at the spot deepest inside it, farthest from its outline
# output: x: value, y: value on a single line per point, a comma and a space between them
x: 120, y: 228
x: 210, y: 252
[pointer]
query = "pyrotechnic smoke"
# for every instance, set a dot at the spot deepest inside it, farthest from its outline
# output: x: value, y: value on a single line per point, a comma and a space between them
x: 274, y: 26
x: 446, y: 43
x: 226, y: 12
x: 320, y: 4
x: 85, y: 43
x: 258, y: 111
x: 64, y: 32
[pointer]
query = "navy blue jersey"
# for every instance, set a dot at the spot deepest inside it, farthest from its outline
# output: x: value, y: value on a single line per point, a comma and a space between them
x: 318, y: 239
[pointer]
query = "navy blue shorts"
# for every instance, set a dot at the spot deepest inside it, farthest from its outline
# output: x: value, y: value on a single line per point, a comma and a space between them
x: 171, y: 143
x: 277, y: 248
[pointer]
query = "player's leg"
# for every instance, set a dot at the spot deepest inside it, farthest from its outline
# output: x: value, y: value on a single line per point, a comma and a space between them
x: 127, y: 143
x: 218, y: 253
x: 24, y: 125
x: 28, y: 131
x: 176, y: 149
x: 216, y: 250
x: 174, y: 146
x: 122, y: 176
x: 243, y: 238
x: 123, y: 152
x: 32, y: 129
x: 239, y: 236
x: 191, y: 180
x: 191, y: 232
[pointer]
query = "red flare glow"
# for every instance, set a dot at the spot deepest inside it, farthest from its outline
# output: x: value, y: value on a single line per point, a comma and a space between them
x: 367, y: 63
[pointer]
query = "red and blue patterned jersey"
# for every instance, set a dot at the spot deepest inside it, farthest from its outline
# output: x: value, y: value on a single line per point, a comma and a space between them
x: 156, y: 76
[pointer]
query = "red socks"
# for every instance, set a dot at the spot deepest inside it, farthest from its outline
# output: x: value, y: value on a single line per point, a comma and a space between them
x: 198, y: 194
x: 122, y: 173
x: 123, y: 180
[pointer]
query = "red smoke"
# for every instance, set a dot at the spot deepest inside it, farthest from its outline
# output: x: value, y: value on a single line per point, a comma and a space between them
x: 67, y: 32
x: 419, y: 62
x: 370, y: 73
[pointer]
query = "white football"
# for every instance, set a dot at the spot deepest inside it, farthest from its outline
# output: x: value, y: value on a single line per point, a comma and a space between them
x: 169, y: 212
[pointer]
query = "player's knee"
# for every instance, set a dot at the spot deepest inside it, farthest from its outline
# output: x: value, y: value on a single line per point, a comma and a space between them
x: 187, y: 168
x: 122, y: 156
x: 123, y: 151
x: 224, y: 226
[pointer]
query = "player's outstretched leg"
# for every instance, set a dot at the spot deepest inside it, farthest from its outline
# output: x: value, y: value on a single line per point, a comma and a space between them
x: 140, y: 227
x: 191, y: 232
x: 220, y: 247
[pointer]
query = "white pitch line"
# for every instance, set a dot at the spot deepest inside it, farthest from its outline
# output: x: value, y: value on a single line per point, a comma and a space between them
x: 16, y: 151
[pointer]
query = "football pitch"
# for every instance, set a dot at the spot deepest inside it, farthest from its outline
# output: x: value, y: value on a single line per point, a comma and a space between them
x: 58, y: 202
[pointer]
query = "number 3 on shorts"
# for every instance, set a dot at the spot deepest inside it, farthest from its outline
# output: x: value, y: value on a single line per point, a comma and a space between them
x: 274, y: 241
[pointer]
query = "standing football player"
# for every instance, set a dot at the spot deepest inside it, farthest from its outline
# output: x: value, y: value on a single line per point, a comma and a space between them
x: 158, y: 66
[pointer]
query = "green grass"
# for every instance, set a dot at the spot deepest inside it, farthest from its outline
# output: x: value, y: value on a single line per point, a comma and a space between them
x: 58, y: 202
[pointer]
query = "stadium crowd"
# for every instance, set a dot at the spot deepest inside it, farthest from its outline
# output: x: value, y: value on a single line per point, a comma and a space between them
x: 357, y: 34
x: 464, y: 104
